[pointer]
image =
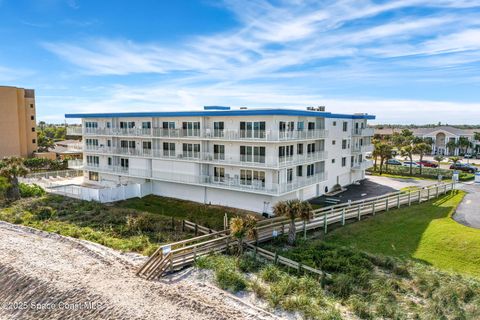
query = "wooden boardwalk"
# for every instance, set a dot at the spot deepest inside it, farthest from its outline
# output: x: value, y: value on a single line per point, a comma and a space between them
x: 183, y: 253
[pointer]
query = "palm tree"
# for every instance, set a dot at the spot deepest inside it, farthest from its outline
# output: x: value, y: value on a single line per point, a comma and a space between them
x: 455, y: 160
x: 421, y: 149
x: 439, y: 158
x: 293, y: 209
x: 405, y: 142
x: 243, y: 227
x: 384, y: 151
x: 451, y: 145
x: 12, y: 168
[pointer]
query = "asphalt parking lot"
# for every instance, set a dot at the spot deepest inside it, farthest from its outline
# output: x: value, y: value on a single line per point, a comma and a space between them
x: 468, y: 212
x: 374, y: 186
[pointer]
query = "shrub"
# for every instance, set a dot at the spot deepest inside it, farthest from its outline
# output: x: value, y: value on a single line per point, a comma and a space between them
x: 248, y: 264
x: 30, y: 190
x: 270, y: 273
x: 230, y: 280
x: 44, y: 213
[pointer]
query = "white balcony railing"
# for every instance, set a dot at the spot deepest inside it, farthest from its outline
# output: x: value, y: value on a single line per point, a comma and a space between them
x: 74, y: 131
x: 218, y: 182
x: 220, y: 158
x: 254, y: 135
x: 364, y: 132
x: 363, y: 165
x: 363, y: 149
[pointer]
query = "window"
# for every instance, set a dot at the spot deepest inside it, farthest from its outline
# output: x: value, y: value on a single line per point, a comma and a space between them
x: 310, y: 170
x: 169, y: 149
x: 218, y: 127
x: 344, y: 161
x: 90, y: 124
x: 345, y: 126
x: 191, y: 150
x: 311, y: 126
x: 344, y: 144
x: 299, y: 171
x: 91, y: 142
x: 168, y: 125
x: 191, y: 128
x: 93, y: 161
x: 311, y: 148
x: 252, y: 154
x: 286, y: 126
x: 352, y: 161
x: 218, y: 174
x: 109, y: 161
x: 109, y: 143
x: 289, y: 175
x: 108, y: 125
x: 252, y: 177
x: 219, y: 152
x: 333, y: 160
x: 125, y: 125
x: 124, y: 163
x: 32, y: 117
x: 334, y: 123
x: 334, y: 142
x: 252, y: 129
x: 285, y: 151
x: 300, y: 148
x: 300, y: 126
x: 92, y: 176
x: 31, y: 105
x: 33, y: 129
x: 34, y: 141
x: 127, y: 144
x: 146, y: 125
x: 147, y: 145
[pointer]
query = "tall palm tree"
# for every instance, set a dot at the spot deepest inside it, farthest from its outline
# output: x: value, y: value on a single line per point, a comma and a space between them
x: 243, y: 227
x: 384, y: 151
x: 12, y: 168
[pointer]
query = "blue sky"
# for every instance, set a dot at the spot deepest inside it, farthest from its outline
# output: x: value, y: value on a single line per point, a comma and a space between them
x: 407, y: 61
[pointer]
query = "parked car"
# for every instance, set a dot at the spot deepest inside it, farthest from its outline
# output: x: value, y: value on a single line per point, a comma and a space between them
x: 468, y: 156
x: 413, y: 163
x: 465, y: 167
x: 393, y: 162
x: 428, y: 164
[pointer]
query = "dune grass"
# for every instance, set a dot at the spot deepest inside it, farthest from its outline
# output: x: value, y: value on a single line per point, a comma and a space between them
x: 138, y: 225
x: 424, y: 232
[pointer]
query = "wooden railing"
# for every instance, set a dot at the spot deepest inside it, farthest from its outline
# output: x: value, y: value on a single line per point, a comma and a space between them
x: 185, y: 252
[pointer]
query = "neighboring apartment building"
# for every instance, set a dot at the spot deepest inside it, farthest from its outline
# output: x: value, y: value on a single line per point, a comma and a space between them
x: 446, y: 140
x: 245, y: 158
x: 17, y: 122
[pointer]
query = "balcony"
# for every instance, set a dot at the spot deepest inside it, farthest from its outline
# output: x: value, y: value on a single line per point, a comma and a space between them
x: 214, y: 158
x: 207, y: 134
x: 254, y: 186
x: 363, y: 149
x: 74, y: 131
x: 364, y: 165
x: 364, y: 132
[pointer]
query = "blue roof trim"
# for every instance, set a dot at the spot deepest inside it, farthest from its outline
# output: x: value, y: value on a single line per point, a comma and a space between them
x: 216, y: 108
x: 222, y: 113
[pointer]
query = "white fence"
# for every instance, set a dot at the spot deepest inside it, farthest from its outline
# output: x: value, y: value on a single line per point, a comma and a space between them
x: 102, y: 195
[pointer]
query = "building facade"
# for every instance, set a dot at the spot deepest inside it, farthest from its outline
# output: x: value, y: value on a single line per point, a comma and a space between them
x: 246, y: 158
x: 445, y: 140
x: 18, y: 136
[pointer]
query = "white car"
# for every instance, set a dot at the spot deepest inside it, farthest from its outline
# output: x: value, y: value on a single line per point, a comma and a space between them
x: 407, y: 164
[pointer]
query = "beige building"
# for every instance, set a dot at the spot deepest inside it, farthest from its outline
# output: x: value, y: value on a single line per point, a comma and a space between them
x: 17, y: 122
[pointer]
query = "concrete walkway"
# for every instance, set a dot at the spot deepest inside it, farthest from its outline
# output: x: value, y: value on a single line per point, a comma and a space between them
x: 468, y: 212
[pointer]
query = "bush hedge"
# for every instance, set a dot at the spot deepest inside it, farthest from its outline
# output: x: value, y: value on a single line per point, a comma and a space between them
x: 431, y: 173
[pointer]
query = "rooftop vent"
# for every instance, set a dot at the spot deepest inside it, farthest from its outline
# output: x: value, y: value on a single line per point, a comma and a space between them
x: 243, y: 108
x: 216, y: 108
x: 319, y: 108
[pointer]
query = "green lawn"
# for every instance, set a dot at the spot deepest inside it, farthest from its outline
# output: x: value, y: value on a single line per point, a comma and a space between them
x: 425, y: 232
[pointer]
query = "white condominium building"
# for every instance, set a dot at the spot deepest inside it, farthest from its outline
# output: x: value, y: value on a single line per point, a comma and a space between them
x: 243, y: 158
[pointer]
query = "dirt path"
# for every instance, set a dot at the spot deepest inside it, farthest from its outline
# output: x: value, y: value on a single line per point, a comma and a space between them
x: 47, y: 276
